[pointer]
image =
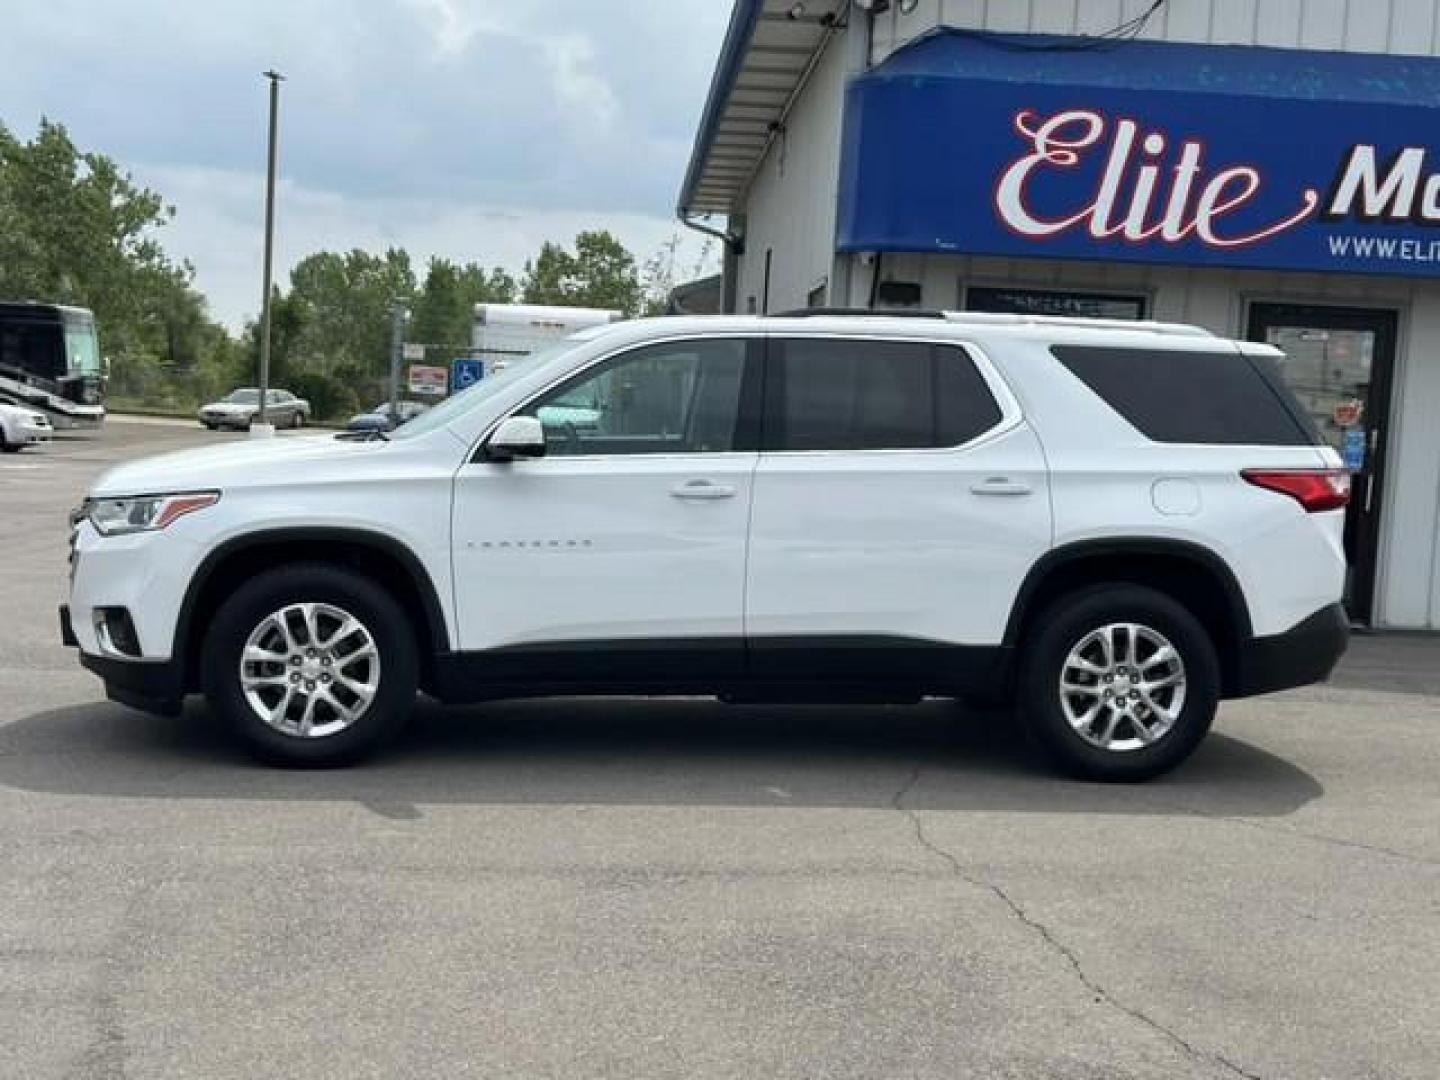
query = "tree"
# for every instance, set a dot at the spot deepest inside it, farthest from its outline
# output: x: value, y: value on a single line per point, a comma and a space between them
x: 76, y: 229
x: 600, y: 273
x: 444, y: 308
x: 343, y: 305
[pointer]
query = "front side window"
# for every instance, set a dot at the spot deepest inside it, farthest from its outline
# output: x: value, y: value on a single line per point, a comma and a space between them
x: 674, y: 398
x: 827, y: 394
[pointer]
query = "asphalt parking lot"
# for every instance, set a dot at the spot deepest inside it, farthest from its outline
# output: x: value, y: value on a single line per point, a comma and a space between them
x: 683, y: 889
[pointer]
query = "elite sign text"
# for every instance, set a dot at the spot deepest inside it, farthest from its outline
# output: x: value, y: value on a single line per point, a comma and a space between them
x: 994, y: 166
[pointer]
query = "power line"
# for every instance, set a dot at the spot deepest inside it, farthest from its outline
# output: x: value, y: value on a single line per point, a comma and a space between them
x: 1120, y: 34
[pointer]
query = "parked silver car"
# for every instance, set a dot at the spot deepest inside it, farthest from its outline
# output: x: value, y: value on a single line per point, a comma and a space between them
x: 239, y: 408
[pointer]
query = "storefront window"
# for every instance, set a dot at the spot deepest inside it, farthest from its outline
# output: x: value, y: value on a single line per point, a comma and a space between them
x: 1074, y: 305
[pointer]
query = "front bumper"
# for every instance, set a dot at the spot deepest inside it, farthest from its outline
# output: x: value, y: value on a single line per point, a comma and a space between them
x: 1306, y: 653
x: 150, y: 686
x: 31, y: 434
x: 227, y: 419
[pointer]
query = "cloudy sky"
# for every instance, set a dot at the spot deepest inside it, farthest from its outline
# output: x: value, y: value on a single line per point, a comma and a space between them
x: 473, y: 129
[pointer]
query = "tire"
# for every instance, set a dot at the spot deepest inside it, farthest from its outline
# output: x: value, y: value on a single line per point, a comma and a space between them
x: 1157, y: 727
x: 6, y: 446
x: 210, y: 427
x: 298, y: 420
x: 330, y: 592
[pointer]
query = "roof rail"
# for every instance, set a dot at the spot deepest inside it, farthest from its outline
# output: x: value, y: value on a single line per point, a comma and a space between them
x: 992, y: 318
x: 996, y: 318
x: 854, y: 312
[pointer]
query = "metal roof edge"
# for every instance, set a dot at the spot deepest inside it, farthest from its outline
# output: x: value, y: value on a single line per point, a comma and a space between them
x: 743, y: 21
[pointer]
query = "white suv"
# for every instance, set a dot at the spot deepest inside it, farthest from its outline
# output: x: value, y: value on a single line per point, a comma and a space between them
x: 1114, y: 525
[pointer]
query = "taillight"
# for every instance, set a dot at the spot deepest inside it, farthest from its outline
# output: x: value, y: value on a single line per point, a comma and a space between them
x: 1314, y: 489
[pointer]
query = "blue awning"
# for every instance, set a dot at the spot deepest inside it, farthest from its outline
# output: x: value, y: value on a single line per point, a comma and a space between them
x: 1146, y: 152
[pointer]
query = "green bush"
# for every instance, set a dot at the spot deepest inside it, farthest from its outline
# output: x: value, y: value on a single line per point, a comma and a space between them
x: 330, y: 398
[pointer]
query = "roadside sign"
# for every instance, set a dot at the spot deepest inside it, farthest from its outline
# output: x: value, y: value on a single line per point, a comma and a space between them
x: 1348, y: 413
x: 413, y: 353
x: 467, y: 373
x: 1353, y: 449
x: 428, y: 381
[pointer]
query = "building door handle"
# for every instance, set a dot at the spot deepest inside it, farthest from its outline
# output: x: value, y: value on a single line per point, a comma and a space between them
x: 1001, y: 485
x: 703, y: 490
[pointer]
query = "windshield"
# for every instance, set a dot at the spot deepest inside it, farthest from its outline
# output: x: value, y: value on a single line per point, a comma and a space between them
x: 82, y: 347
x: 244, y: 397
x: 474, y: 396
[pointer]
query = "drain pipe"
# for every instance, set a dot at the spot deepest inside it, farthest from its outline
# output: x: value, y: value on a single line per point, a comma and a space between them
x: 733, y: 246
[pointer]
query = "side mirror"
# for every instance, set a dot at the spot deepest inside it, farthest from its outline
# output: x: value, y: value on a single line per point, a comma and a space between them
x: 516, y: 437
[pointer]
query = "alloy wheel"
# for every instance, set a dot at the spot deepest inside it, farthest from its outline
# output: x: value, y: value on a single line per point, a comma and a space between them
x: 1122, y: 687
x: 310, y: 670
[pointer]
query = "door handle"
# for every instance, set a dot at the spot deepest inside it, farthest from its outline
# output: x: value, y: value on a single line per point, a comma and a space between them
x: 701, y: 490
x: 1001, y: 485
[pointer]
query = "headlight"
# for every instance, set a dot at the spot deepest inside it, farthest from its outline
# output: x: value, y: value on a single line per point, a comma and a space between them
x: 144, y: 513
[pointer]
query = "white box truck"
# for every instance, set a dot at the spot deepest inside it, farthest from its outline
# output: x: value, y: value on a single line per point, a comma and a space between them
x: 506, y: 333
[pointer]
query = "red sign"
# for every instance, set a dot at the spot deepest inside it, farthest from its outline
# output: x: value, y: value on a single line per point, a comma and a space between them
x: 429, y: 381
x: 1348, y: 413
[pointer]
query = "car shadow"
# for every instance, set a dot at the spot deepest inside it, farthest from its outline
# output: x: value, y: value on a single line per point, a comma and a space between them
x: 638, y: 752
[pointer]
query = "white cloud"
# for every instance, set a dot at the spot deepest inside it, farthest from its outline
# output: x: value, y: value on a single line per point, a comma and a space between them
x: 219, y: 228
x: 580, y: 86
x: 467, y: 128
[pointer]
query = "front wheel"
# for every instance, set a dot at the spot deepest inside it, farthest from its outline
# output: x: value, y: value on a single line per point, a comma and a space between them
x: 311, y: 665
x: 1118, y: 683
x: 298, y: 420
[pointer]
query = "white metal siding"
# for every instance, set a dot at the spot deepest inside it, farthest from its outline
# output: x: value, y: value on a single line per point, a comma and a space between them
x: 791, y: 210
x: 1391, y: 26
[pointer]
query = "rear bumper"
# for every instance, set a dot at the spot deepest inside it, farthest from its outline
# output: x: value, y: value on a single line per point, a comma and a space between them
x: 1306, y: 653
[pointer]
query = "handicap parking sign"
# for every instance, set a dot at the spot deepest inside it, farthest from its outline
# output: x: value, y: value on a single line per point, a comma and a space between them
x: 467, y: 374
x: 1353, y: 449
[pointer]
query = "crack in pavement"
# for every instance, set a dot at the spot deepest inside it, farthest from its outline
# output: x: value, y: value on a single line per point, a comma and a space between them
x: 897, y: 803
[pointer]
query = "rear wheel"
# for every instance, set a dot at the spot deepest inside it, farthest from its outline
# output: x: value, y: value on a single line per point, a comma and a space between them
x: 1119, y: 683
x: 311, y: 665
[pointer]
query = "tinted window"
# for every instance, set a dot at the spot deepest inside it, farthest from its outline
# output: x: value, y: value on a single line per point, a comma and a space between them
x: 1075, y: 305
x: 1193, y: 397
x: 873, y: 395
x: 679, y: 397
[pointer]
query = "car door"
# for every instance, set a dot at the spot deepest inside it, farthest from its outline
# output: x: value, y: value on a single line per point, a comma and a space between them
x: 620, y: 554
x: 900, y: 499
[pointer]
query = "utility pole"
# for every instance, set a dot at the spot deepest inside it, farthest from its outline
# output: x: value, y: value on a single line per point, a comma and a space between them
x: 263, y: 424
x: 398, y: 316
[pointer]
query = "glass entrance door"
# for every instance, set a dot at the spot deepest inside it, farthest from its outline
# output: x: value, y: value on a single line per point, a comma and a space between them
x: 1339, y: 362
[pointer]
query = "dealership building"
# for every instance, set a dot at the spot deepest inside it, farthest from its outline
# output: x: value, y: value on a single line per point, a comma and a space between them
x: 1267, y: 169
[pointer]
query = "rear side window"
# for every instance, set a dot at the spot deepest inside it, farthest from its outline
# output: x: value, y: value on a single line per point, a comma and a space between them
x: 827, y: 394
x: 1175, y: 396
